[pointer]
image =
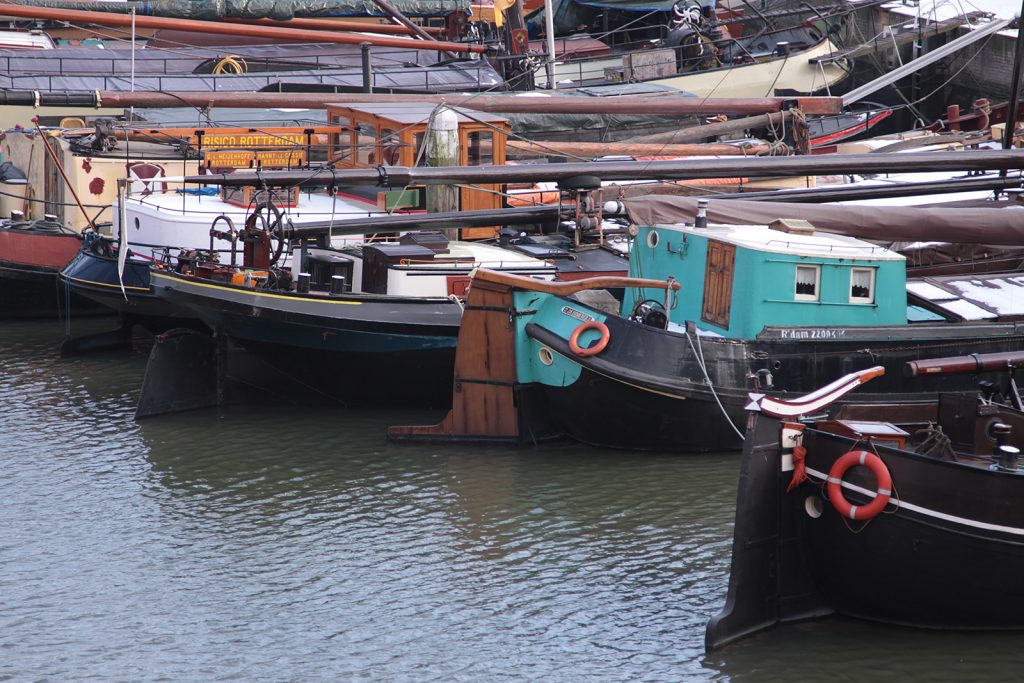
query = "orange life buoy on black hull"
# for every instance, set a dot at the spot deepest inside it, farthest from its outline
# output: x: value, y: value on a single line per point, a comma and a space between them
x: 574, y: 339
x: 882, y: 477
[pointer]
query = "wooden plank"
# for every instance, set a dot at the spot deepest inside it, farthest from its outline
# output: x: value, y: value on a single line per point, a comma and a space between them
x: 482, y: 275
x: 483, y: 396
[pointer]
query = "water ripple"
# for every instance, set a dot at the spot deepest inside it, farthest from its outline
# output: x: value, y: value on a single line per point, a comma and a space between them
x: 263, y: 543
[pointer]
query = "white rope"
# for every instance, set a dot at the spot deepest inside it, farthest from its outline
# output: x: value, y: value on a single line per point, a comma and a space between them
x: 700, y: 362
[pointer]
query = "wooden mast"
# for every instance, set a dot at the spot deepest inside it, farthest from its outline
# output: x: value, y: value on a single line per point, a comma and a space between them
x: 258, y: 31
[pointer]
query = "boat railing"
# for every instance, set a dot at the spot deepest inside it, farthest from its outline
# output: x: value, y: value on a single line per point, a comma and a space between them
x: 642, y: 39
x: 443, y: 261
x: 830, y: 248
x: 169, y: 251
x: 571, y: 287
x: 815, y: 400
x: 116, y: 63
x: 300, y: 213
x: 382, y: 77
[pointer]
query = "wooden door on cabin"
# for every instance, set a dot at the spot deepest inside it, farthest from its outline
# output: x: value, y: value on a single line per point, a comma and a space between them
x: 479, y: 150
x: 718, y: 276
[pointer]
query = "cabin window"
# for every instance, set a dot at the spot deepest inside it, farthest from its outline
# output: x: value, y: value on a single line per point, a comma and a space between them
x: 480, y: 148
x: 341, y: 142
x: 808, y: 280
x: 390, y: 147
x: 862, y: 286
x: 318, y: 149
x: 366, y: 145
x: 420, y: 154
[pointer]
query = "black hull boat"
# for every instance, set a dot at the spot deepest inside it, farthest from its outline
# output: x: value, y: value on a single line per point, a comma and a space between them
x: 93, y: 274
x: 919, y: 536
x: 287, y: 346
x: 828, y: 130
x: 342, y: 347
x: 371, y: 323
x: 657, y: 379
x: 30, y: 292
x: 679, y: 410
x: 784, y: 302
x: 97, y: 277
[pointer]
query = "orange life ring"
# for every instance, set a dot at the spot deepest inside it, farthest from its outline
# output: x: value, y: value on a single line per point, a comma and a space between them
x: 597, y: 348
x: 883, y: 486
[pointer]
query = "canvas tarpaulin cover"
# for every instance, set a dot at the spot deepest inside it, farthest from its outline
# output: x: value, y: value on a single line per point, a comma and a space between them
x: 879, y: 224
x: 630, y: 5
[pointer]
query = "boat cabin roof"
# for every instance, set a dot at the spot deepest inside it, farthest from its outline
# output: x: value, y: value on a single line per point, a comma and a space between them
x: 972, y: 296
x: 767, y: 239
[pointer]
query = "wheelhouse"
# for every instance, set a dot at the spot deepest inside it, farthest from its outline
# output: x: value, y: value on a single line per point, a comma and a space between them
x: 394, y: 135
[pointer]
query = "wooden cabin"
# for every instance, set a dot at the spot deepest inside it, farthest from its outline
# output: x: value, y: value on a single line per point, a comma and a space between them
x: 392, y: 135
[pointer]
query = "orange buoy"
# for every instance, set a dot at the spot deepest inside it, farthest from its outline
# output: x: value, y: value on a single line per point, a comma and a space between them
x: 597, y: 348
x: 883, y: 485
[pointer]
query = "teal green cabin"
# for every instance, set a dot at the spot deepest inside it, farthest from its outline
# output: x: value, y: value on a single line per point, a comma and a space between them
x: 736, y: 279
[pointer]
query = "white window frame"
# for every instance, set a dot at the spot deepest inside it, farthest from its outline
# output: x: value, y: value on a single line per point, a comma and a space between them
x: 870, y: 299
x: 817, y: 283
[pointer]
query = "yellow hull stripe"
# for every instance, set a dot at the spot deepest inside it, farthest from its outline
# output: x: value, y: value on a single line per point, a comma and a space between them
x: 265, y: 295
x: 107, y: 284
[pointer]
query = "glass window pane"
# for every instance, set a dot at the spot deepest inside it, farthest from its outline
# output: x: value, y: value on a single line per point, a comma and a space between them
x: 366, y: 145
x: 390, y: 147
x: 419, y: 154
x: 862, y: 285
x: 481, y: 148
x: 807, y: 283
x: 341, y: 143
x: 319, y: 149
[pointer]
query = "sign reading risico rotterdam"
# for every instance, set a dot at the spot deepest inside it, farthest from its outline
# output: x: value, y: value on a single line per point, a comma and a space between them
x: 267, y: 148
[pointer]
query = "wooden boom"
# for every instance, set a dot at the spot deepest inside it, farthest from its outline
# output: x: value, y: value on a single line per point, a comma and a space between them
x: 972, y: 364
x: 298, y: 34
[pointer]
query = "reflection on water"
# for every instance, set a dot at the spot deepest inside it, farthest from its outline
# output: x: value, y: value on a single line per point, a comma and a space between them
x: 296, y: 543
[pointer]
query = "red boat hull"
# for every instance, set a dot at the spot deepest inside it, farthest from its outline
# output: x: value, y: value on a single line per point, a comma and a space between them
x: 29, y: 264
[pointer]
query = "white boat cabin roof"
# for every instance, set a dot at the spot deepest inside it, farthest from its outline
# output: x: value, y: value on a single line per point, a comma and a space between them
x: 767, y: 239
x: 494, y: 257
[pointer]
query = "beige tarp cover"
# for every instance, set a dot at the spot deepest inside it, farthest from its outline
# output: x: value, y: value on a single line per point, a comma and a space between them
x: 877, y: 223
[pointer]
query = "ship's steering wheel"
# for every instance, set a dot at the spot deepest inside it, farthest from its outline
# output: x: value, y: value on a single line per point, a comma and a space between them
x: 651, y: 312
x: 273, y: 223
